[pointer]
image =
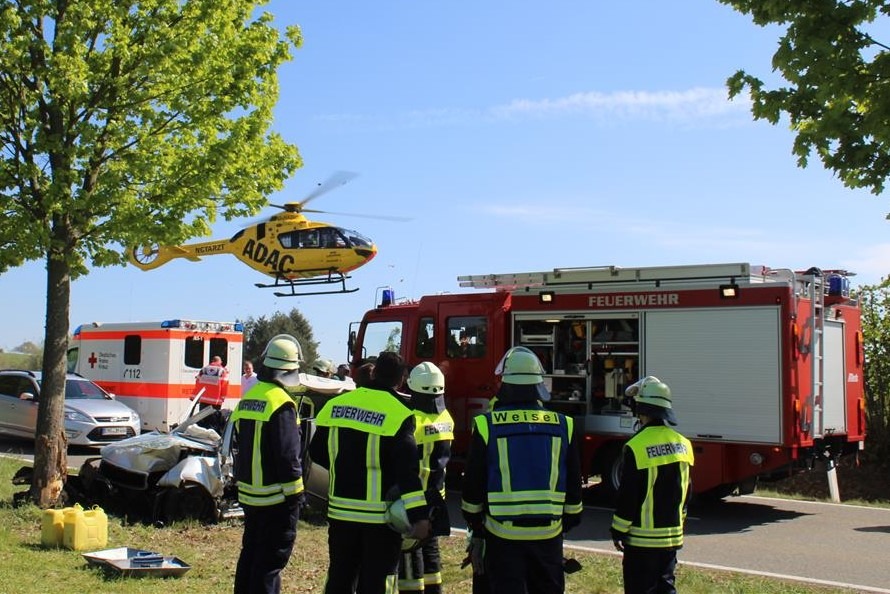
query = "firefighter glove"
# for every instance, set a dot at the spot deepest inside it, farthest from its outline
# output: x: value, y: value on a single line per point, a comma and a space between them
x: 618, y: 540
x: 475, y: 555
x: 569, y: 521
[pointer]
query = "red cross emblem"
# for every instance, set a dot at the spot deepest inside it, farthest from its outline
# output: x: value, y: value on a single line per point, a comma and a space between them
x: 92, y: 360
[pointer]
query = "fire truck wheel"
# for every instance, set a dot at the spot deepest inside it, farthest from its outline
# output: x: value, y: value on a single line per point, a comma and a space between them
x: 608, y: 465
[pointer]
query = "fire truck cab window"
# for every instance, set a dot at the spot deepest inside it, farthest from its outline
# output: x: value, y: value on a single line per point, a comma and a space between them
x: 132, y: 349
x: 466, y: 337
x: 425, y: 344
x: 381, y: 336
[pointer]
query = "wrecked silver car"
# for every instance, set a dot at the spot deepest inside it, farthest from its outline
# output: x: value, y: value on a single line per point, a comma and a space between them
x: 162, y: 477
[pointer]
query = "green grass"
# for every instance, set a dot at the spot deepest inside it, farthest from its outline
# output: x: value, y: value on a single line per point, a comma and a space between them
x: 767, y: 492
x: 26, y: 567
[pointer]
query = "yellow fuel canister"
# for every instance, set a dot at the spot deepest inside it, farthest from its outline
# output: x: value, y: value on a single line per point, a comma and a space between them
x: 53, y: 527
x: 85, y: 529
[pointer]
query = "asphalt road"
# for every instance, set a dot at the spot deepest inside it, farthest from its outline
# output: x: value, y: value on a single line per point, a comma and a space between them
x: 25, y: 450
x: 821, y: 543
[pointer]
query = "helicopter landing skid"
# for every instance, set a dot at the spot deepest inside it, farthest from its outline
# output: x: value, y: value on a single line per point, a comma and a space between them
x: 332, y: 278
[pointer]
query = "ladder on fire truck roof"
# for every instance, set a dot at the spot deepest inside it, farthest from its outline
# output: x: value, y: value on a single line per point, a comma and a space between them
x: 813, y: 343
x: 739, y: 273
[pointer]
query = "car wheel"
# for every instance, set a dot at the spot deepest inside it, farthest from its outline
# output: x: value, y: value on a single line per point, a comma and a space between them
x: 189, y: 502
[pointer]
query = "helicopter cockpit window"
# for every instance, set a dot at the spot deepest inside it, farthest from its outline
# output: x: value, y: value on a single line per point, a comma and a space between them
x: 356, y: 239
x: 309, y: 238
x: 288, y: 240
x: 331, y: 239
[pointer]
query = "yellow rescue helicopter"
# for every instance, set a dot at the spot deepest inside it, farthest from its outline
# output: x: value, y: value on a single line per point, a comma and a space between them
x: 290, y: 248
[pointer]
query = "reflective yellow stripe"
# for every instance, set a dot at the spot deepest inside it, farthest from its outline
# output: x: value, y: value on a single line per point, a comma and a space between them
x: 354, y: 516
x: 653, y: 543
x: 426, y: 452
x: 555, y: 448
x: 620, y: 524
x: 432, y: 579
x: 509, y: 531
x: 522, y: 509
x: 574, y: 508
x: 262, y: 501
x: 392, y: 582
x: 471, y: 508
x: 268, y: 495
x: 357, y: 504
x: 413, y: 499
x: 293, y: 488
x: 647, y: 510
x: 374, y: 485
x: 481, y: 424
x: 504, y: 464
x: 500, y: 497
x: 333, y: 450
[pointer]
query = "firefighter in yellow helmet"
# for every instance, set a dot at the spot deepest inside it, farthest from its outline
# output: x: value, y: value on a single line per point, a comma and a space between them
x: 365, y: 438
x: 522, y: 483
x: 267, y: 468
x: 648, y: 522
x: 420, y: 569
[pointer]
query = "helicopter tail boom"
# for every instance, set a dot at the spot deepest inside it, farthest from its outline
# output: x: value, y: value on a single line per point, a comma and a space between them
x: 152, y: 256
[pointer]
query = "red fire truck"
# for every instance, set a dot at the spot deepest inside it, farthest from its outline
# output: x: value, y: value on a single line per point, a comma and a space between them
x: 765, y: 365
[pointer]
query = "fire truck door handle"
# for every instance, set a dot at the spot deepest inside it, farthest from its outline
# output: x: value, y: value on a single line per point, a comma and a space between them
x: 485, y: 388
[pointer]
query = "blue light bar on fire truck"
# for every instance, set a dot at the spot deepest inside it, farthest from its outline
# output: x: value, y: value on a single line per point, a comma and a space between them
x: 203, y: 326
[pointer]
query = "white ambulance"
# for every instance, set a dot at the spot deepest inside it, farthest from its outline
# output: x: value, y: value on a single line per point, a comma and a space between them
x: 152, y: 366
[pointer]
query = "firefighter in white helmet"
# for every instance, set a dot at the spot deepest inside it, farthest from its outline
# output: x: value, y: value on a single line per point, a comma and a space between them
x: 323, y: 368
x: 651, y: 504
x: 420, y: 569
x: 267, y: 468
x: 522, y: 483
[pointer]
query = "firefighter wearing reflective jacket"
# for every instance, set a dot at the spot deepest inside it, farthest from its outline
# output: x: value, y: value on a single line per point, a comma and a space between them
x: 420, y: 568
x: 522, y: 484
x: 267, y: 469
x: 651, y: 509
x: 365, y: 438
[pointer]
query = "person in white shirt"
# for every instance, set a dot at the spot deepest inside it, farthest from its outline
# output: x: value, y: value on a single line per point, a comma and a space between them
x: 249, y: 378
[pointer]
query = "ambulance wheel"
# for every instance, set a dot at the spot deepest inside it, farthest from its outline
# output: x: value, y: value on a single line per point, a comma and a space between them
x: 189, y: 502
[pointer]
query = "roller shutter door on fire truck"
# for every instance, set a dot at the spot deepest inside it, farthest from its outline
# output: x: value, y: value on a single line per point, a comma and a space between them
x: 835, y: 378
x: 723, y: 367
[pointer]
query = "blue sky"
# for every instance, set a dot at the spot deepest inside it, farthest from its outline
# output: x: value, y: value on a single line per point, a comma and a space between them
x: 518, y: 136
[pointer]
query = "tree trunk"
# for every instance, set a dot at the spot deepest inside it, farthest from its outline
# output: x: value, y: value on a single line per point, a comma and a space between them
x: 51, y: 442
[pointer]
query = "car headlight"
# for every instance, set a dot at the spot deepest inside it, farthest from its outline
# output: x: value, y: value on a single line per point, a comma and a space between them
x: 136, y: 418
x: 73, y: 415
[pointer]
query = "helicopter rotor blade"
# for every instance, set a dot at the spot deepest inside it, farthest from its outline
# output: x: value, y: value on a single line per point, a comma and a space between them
x: 336, y: 180
x: 364, y: 216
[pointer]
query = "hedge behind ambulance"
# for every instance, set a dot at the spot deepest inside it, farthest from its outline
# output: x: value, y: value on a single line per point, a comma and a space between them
x: 151, y: 366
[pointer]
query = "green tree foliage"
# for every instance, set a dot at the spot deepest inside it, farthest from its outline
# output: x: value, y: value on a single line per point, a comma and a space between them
x: 258, y: 332
x: 875, y: 303
x: 838, y: 93
x: 25, y: 356
x: 121, y: 124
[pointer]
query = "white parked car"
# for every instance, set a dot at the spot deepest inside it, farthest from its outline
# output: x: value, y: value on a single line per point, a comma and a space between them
x: 92, y: 416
